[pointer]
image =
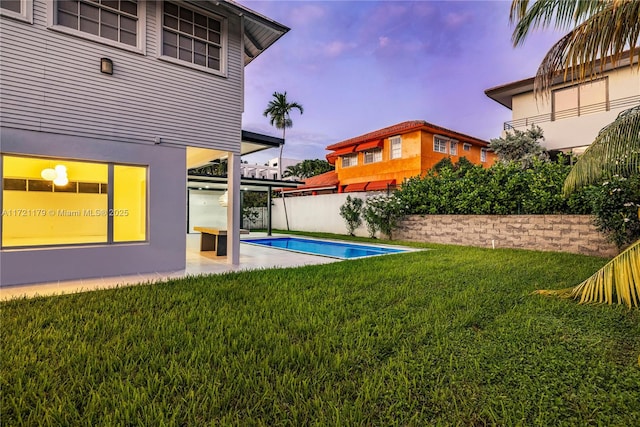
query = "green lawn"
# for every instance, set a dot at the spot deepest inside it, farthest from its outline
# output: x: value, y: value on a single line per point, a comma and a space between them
x: 449, y: 336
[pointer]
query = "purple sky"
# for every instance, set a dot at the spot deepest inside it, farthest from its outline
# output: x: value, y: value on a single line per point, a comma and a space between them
x: 358, y: 66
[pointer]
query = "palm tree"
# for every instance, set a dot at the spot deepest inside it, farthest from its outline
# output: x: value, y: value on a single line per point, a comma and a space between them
x: 601, y: 30
x: 279, y: 112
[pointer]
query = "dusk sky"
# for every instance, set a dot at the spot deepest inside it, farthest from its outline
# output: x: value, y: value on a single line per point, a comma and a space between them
x: 358, y: 66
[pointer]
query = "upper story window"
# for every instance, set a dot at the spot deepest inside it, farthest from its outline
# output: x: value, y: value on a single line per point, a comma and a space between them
x: 396, y: 147
x: 440, y: 144
x: 114, y: 20
x: 453, y: 148
x: 196, y: 38
x: 373, y: 156
x: 580, y: 99
x: 483, y: 155
x: 350, y: 160
x: 466, y: 147
x: 18, y: 9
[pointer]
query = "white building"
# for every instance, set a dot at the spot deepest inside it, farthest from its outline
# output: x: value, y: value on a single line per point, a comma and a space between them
x: 104, y: 106
x: 574, y: 113
x: 269, y: 170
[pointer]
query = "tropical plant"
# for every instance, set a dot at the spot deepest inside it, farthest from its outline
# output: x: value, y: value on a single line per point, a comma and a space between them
x: 601, y: 31
x: 351, y: 211
x: 518, y: 146
x: 383, y: 212
x: 279, y: 112
x: 615, y: 151
x: 308, y: 168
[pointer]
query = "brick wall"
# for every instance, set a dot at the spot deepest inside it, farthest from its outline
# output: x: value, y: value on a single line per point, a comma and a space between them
x: 563, y: 233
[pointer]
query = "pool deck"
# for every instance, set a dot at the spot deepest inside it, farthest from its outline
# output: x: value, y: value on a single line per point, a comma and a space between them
x: 197, y: 263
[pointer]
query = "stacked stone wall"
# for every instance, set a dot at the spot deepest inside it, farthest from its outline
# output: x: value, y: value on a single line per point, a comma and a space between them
x: 562, y: 233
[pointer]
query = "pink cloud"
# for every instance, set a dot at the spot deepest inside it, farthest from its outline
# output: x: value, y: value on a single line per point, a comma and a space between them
x: 306, y: 14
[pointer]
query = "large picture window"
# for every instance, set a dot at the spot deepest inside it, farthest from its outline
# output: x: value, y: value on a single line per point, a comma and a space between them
x: 580, y: 99
x: 115, y: 20
x: 192, y: 37
x: 65, y: 202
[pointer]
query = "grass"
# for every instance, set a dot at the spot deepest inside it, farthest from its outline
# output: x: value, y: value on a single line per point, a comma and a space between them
x: 449, y: 336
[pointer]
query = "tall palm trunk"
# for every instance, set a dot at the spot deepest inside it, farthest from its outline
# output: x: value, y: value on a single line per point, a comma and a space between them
x: 284, y: 204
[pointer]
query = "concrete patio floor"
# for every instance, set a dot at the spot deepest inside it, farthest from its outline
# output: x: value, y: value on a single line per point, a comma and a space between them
x: 197, y: 263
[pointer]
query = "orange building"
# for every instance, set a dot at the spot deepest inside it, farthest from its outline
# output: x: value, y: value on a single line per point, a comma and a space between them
x: 386, y: 157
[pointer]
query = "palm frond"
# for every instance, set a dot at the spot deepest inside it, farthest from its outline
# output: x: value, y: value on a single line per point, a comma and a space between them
x: 605, y: 35
x: 602, y: 31
x: 618, y: 281
x: 563, y: 14
x: 616, y: 150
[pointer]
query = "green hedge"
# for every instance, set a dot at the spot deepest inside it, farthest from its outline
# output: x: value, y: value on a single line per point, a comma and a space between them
x: 510, y: 189
x: 502, y: 189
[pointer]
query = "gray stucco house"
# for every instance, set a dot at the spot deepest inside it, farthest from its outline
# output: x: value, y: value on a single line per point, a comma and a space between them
x: 104, y: 106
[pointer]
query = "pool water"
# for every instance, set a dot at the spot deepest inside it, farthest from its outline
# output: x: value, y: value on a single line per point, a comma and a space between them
x: 323, y: 247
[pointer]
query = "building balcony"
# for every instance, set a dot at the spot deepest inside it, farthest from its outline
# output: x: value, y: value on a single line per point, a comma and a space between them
x: 617, y: 104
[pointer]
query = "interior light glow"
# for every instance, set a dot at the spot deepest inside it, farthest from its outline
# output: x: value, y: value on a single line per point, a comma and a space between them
x: 61, y: 180
x: 48, y: 174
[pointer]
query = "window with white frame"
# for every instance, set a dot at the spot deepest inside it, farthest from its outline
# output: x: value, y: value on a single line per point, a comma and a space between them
x: 114, y: 20
x: 18, y: 9
x: 349, y: 160
x: 483, y: 155
x: 453, y: 148
x: 440, y: 144
x: 396, y: 147
x: 373, y: 156
x: 466, y: 147
x: 192, y: 37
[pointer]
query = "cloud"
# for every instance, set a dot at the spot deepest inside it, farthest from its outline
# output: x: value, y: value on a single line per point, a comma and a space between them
x: 455, y: 20
x: 337, y: 48
x: 306, y: 14
x: 383, y: 41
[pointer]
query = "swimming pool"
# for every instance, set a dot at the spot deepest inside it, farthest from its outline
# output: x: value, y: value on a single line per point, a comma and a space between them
x: 323, y: 247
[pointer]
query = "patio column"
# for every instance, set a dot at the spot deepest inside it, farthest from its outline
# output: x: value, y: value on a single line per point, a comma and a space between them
x: 233, y: 209
x: 269, y: 211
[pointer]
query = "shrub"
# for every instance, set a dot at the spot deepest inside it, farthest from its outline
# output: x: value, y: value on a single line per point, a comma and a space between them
x: 616, y: 206
x: 503, y: 189
x: 351, y: 211
x: 382, y: 213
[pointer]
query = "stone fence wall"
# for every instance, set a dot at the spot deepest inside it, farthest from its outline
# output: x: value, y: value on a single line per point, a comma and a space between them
x: 562, y: 233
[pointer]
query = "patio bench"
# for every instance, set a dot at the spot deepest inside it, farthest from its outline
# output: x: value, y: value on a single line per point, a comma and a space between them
x: 214, y: 239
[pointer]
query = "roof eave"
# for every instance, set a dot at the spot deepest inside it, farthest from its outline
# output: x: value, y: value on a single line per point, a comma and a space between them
x: 503, y: 94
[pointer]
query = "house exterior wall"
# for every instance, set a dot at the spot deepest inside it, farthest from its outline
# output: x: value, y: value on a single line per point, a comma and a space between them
x: 51, y: 82
x: 405, y: 167
x: 430, y: 157
x: 165, y: 247
x: 577, y: 131
x: 56, y: 103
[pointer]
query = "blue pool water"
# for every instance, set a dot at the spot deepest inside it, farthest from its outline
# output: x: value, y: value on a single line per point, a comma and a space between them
x: 323, y: 247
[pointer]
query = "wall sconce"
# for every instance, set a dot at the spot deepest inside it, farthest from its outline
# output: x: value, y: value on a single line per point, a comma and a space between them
x: 106, y: 66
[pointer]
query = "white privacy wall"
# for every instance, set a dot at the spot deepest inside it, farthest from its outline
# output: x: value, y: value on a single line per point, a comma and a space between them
x: 319, y: 213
